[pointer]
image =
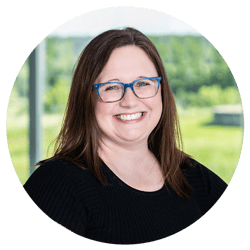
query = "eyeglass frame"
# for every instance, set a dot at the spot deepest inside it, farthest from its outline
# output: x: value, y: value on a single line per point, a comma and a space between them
x: 128, y: 85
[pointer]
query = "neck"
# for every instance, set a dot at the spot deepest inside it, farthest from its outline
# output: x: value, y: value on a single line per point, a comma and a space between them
x: 124, y: 158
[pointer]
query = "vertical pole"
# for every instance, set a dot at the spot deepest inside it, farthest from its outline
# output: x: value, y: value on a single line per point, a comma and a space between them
x: 36, y: 85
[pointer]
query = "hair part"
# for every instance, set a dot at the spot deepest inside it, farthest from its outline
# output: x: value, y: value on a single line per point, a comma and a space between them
x: 78, y: 140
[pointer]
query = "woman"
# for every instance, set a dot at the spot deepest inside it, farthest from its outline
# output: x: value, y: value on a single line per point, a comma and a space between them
x: 118, y: 174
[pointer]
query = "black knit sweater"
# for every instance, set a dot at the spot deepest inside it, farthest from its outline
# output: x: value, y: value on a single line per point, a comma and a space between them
x: 117, y: 213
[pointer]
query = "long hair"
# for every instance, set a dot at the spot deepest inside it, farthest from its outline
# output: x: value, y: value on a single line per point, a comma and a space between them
x: 78, y: 140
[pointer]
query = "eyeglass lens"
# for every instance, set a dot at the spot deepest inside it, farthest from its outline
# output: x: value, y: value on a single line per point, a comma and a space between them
x: 114, y: 91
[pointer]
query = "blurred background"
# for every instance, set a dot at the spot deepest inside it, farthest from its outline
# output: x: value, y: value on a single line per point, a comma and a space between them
x: 207, y: 97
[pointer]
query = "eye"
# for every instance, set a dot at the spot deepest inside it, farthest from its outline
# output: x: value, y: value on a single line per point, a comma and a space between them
x: 142, y: 84
x: 110, y: 88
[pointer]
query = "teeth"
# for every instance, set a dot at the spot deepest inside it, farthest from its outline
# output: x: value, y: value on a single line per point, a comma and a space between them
x: 129, y: 117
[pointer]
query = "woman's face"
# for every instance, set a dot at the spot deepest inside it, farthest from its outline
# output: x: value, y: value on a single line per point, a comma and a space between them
x: 127, y: 64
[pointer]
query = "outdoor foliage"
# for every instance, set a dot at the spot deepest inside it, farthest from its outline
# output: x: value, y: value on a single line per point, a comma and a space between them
x: 197, y: 73
x: 191, y: 62
x: 217, y: 147
x: 208, y: 96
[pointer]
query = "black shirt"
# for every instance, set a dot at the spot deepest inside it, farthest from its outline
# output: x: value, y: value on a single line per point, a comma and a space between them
x: 117, y: 213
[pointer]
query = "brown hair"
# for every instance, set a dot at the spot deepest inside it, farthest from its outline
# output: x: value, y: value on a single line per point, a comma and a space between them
x: 78, y: 139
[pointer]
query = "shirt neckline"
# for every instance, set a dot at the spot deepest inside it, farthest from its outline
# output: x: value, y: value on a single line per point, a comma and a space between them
x: 125, y: 185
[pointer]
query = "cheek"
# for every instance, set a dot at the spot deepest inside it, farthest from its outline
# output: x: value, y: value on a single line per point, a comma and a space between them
x: 158, y: 111
x: 103, y: 112
x: 100, y: 111
x: 155, y: 105
x: 100, y: 116
x: 159, y: 101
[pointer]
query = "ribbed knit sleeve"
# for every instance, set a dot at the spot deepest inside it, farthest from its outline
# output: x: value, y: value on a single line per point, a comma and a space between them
x: 53, y: 187
x: 207, y: 185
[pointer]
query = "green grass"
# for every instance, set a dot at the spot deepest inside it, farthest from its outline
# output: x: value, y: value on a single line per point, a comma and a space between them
x: 18, y: 140
x: 217, y: 147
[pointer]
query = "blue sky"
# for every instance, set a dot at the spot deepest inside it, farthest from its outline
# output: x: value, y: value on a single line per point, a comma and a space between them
x: 146, y: 20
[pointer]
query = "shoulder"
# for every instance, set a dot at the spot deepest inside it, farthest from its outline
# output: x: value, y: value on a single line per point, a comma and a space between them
x: 60, y: 169
x: 59, y: 176
x: 66, y: 193
x: 208, y: 187
x: 199, y: 174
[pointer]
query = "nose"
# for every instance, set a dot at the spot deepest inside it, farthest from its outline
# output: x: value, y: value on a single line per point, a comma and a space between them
x: 129, y: 99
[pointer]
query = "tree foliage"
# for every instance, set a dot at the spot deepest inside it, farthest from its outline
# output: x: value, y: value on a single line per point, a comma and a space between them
x: 195, y: 70
x: 192, y: 62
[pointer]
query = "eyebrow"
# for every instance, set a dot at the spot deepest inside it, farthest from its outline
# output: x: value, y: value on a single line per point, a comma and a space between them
x: 116, y: 79
x: 112, y: 80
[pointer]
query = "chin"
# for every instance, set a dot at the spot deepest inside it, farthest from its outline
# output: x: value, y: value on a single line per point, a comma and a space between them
x: 134, y: 137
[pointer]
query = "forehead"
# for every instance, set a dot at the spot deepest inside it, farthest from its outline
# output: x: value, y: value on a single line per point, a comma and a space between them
x: 126, y: 64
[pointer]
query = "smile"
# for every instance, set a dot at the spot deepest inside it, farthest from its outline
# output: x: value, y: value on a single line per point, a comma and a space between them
x: 129, y: 117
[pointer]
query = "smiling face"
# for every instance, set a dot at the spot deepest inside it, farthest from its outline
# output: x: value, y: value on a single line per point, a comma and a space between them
x: 130, y: 119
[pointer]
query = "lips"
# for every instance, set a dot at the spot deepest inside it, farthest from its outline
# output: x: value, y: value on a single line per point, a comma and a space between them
x: 129, y: 117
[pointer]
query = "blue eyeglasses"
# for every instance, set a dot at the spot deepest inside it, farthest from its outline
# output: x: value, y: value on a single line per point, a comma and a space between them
x: 114, y: 91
